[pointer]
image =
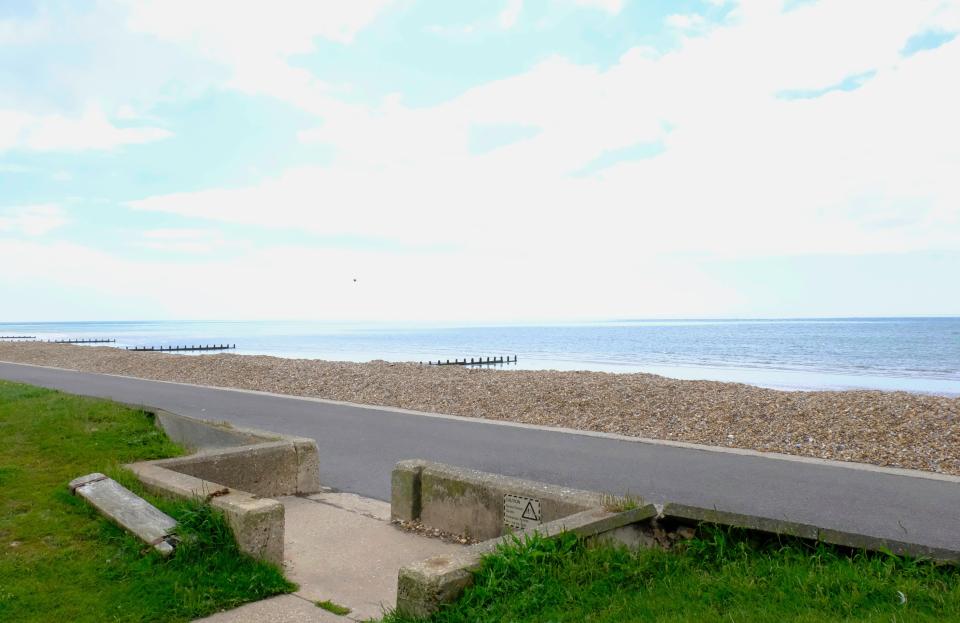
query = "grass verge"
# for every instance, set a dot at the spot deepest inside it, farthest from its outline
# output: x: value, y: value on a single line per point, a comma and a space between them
x: 721, y: 575
x: 333, y: 607
x: 60, y: 560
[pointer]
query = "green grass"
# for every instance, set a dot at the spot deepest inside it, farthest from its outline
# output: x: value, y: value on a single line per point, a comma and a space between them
x: 620, y: 503
x: 719, y: 576
x: 61, y: 561
x: 335, y: 608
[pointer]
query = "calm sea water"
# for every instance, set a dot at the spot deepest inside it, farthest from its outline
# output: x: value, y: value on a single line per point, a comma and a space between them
x: 914, y: 354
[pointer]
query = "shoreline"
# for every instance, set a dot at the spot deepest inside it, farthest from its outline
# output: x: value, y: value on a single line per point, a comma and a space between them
x: 891, y: 429
x: 780, y: 379
x: 911, y: 354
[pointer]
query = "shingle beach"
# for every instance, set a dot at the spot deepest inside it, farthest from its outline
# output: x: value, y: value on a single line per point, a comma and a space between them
x: 897, y: 429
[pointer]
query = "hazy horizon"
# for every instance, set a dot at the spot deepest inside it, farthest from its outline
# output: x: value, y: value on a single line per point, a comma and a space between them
x: 480, y: 322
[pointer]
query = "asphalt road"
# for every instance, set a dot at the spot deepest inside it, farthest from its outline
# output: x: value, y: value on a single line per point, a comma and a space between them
x: 359, y: 446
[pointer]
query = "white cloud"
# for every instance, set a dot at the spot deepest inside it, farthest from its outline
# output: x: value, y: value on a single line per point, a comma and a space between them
x: 183, y: 240
x: 255, y: 41
x: 613, y: 7
x: 20, y: 32
x: 119, y: 58
x: 54, y: 132
x: 14, y: 168
x: 742, y: 172
x: 32, y: 220
x: 686, y: 21
x: 176, y: 234
x: 231, y: 30
x: 510, y: 14
x: 454, y: 31
x: 69, y: 59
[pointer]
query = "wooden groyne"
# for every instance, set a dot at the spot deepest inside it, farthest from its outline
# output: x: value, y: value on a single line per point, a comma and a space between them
x: 181, y: 348
x: 478, y: 361
x: 18, y: 337
x: 80, y: 341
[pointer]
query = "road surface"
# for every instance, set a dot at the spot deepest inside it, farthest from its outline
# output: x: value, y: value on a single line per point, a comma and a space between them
x: 359, y: 446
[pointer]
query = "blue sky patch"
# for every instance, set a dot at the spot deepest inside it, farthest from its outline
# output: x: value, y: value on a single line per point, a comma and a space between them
x: 927, y: 40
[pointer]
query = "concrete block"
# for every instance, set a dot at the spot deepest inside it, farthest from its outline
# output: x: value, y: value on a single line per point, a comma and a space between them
x: 423, y: 587
x: 765, y: 524
x: 257, y: 523
x: 196, y: 434
x: 234, y: 468
x: 405, y: 490
x: 470, y: 502
x: 597, y: 522
x: 807, y: 531
x: 308, y: 465
x: 128, y: 510
x: 635, y: 536
x: 220, y: 440
x: 267, y: 469
x: 901, y: 548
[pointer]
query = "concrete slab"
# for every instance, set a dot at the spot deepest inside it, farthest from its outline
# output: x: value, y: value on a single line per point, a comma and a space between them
x: 375, y: 509
x: 282, y: 609
x: 341, y: 547
x: 338, y: 550
x: 128, y: 510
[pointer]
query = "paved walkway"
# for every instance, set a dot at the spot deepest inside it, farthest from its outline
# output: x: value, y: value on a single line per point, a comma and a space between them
x: 359, y: 446
x: 339, y: 547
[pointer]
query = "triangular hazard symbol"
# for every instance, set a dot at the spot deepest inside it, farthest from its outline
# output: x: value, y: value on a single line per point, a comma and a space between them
x: 529, y: 513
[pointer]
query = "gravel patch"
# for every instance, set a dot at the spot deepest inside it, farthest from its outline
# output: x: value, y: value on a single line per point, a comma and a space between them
x: 418, y: 528
x: 896, y: 429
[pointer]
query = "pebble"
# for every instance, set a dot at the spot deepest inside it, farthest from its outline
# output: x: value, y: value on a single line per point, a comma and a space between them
x: 882, y: 428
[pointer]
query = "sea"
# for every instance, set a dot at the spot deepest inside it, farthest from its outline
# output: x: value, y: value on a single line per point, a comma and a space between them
x: 910, y: 354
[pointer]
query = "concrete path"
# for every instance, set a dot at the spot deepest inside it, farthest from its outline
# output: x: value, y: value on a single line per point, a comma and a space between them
x: 359, y: 446
x: 338, y: 547
x: 282, y: 609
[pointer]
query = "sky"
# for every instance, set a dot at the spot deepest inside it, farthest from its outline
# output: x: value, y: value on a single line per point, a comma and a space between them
x: 498, y: 160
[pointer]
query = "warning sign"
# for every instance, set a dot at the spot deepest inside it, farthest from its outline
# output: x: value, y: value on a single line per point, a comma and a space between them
x: 520, y: 512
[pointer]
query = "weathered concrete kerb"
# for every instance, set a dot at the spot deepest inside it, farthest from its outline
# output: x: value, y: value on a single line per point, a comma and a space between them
x: 127, y: 510
x: 495, y: 507
x: 471, y: 503
x: 237, y: 471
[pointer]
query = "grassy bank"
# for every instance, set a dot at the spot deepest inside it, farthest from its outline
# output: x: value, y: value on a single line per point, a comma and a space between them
x: 718, y: 576
x: 60, y: 560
